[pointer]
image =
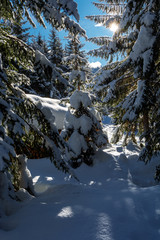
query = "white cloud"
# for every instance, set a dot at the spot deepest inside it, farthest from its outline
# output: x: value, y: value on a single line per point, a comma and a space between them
x: 99, y: 25
x: 95, y: 64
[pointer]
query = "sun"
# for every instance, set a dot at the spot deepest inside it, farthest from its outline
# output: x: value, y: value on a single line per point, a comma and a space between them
x: 113, y: 27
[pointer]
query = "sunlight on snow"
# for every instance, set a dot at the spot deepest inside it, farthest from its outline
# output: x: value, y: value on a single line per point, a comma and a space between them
x: 35, y: 179
x: 91, y: 183
x: 66, y: 212
x: 158, y: 211
x: 104, y: 228
x: 130, y: 206
x: 41, y: 187
x: 99, y: 25
x: 49, y: 178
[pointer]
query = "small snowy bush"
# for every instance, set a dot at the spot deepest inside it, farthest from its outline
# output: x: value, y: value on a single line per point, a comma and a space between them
x: 82, y: 131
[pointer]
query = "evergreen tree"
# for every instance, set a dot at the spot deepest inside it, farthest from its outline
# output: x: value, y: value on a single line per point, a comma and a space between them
x: 16, y: 26
x: 18, y: 29
x: 56, y: 50
x: 131, y: 86
x: 82, y: 131
x: 47, y: 79
x: 40, y: 44
x: 17, y: 134
x: 77, y: 62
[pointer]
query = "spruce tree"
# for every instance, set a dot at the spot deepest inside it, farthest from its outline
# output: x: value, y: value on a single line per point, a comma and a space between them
x: 77, y: 62
x: 47, y: 79
x: 17, y: 134
x: 40, y: 44
x: 82, y: 130
x: 55, y: 47
x: 131, y: 86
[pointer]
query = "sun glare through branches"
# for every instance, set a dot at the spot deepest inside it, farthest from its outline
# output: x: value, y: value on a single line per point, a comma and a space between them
x: 113, y: 27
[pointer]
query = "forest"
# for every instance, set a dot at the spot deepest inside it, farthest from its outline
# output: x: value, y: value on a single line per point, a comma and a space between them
x: 37, y: 75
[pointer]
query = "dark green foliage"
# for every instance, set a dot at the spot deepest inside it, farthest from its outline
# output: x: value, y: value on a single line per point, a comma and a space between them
x: 18, y: 29
x: 130, y: 87
x: 38, y: 43
x: 75, y: 58
x: 17, y: 112
x: 157, y: 175
x: 56, y: 50
x: 47, y: 78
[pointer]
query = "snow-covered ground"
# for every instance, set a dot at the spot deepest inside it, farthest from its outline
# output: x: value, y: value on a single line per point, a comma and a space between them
x: 116, y: 199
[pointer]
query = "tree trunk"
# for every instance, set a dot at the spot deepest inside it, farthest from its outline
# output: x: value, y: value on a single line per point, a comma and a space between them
x: 145, y: 121
x: 78, y: 86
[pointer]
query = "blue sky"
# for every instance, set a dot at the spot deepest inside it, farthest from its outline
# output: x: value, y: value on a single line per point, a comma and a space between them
x: 85, y: 8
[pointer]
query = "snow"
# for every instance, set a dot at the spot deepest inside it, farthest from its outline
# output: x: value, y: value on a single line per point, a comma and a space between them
x: 52, y: 108
x: 71, y: 7
x: 55, y: 111
x: 147, y: 38
x: 140, y: 92
x: 26, y: 182
x: 77, y: 143
x: 116, y: 199
x: 145, y: 50
x: 148, y: 18
x: 83, y: 123
x: 86, y: 124
x: 79, y: 97
x: 40, y: 57
x: 77, y: 74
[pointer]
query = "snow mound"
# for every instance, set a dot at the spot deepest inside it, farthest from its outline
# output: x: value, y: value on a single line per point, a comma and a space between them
x: 80, y: 97
x: 23, y: 195
x: 51, y: 108
x: 77, y: 142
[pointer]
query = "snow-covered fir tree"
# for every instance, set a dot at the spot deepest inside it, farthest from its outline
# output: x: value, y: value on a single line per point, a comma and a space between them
x: 55, y: 56
x: 77, y: 62
x: 17, y: 134
x: 48, y: 79
x: 83, y: 131
x: 40, y: 44
x: 55, y: 47
x: 130, y: 87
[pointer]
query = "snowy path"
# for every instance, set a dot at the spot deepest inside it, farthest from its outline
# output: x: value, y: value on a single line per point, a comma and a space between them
x: 105, y: 206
